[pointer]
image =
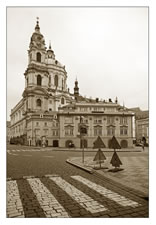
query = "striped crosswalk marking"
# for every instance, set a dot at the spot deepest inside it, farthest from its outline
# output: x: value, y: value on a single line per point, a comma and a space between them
x: 14, y: 204
x: 84, y: 200
x: 106, y: 192
x: 47, y: 201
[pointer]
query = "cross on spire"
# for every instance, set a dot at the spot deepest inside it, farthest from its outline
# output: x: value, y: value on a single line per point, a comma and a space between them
x: 37, y: 28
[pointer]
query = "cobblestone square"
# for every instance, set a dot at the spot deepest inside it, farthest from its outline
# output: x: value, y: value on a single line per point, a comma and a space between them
x: 50, y: 187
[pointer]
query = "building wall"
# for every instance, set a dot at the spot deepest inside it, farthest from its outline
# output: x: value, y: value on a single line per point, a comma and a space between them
x: 29, y: 119
x: 69, y: 128
x: 142, y: 129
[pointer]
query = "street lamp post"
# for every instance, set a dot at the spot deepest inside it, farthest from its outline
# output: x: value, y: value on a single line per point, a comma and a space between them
x: 82, y: 140
x: 83, y: 131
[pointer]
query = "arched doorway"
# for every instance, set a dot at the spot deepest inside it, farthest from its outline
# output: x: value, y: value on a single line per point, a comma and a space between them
x: 69, y: 144
x: 55, y: 143
x: 124, y: 144
x: 83, y: 143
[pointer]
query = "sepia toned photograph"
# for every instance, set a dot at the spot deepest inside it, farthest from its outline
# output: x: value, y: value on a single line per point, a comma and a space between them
x: 77, y: 112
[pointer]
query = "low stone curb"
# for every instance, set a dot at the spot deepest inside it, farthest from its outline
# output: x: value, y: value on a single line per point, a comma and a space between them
x: 90, y: 150
x: 79, y: 166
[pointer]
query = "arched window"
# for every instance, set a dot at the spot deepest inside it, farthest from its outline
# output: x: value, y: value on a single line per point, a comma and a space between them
x: 62, y: 84
x: 39, y: 80
x: 56, y: 80
x: 38, y: 102
x: 38, y: 57
x: 62, y: 100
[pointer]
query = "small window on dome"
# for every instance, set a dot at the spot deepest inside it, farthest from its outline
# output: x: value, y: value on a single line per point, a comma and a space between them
x: 38, y: 102
x: 62, y: 100
x: 56, y: 80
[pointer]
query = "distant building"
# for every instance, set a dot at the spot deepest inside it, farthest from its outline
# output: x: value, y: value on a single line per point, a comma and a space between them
x: 141, y: 124
x: 49, y: 115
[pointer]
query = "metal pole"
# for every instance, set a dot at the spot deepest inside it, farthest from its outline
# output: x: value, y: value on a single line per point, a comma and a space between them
x: 82, y: 150
x: 82, y: 141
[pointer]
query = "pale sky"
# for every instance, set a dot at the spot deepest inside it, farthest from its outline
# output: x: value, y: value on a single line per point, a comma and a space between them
x: 105, y: 48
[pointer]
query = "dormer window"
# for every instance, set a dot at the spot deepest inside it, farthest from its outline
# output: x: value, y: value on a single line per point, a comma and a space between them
x: 38, y: 57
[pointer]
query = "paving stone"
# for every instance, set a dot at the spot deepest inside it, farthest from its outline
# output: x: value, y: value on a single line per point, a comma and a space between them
x: 14, y: 214
x: 37, y: 187
x: 60, y: 167
x: 76, y: 194
x: 106, y: 193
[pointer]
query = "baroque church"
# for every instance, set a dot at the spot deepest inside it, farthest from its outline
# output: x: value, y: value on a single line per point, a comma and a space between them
x: 49, y: 115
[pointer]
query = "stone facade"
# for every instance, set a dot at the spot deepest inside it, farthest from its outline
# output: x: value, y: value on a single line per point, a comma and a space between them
x: 100, y: 119
x: 141, y: 124
x: 49, y: 115
x: 142, y: 129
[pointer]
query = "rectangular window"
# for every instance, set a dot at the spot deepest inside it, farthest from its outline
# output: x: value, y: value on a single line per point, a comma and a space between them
x: 69, y: 131
x: 97, y: 131
x: 37, y: 132
x: 123, y: 130
x: 110, y: 120
x: 111, y: 131
x: 55, y: 132
x: 123, y: 120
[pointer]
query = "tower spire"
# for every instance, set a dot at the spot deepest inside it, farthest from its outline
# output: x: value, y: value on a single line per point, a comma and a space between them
x: 76, y: 88
x: 50, y: 45
x: 37, y: 28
